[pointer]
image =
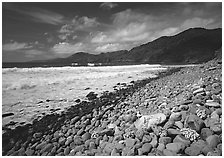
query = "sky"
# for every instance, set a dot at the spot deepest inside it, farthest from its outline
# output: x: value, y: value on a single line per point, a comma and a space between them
x: 41, y: 30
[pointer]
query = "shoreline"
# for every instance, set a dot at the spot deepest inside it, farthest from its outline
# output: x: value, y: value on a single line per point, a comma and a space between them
x: 130, y: 89
x: 149, y: 96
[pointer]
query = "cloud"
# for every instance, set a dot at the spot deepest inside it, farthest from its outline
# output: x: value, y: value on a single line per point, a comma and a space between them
x: 15, y: 46
x: 109, y: 47
x: 108, y: 5
x: 83, y: 23
x: 37, y: 14
x: 196, y: 22
x: 65, y: 48
x: 33, y: 52
x: 129, y: 27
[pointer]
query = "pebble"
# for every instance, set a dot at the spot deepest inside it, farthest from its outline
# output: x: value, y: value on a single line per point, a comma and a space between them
x: 146, y: 148
x: 213, y: 140
x: 175, y: 116
x: 198, y: 91
x: 206, y: 132
x: 86, y: 136
x: 167, y: 152
x: 194, y: 122
x: 130, y: 142
x: 182, y: 139
x: 62, y: 140
x: 68, y: 140
x: 176, y: 147
x: 165, y: 140
x: 47, y: 148
x: 212, y: 104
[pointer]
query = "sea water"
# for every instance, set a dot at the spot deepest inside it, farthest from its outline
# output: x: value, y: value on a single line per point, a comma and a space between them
x: 33, y: 92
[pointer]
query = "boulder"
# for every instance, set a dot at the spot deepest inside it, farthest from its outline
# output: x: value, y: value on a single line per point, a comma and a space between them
x: 194, y: 122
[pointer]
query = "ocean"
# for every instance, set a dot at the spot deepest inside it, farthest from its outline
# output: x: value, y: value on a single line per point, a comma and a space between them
x: 30, y: 93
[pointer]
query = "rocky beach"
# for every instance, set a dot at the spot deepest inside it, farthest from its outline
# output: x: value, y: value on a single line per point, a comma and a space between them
x: 179, y: 113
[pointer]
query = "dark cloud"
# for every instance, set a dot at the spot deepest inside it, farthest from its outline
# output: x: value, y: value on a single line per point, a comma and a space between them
x: 108, y: 5
x: 73, y: 27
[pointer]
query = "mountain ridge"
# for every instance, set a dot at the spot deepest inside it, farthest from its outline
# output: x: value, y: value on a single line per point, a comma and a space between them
x: 194, y: 45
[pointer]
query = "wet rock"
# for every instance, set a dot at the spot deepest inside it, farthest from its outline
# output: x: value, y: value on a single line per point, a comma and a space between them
x: 146, y: 148
x: 176, y: 147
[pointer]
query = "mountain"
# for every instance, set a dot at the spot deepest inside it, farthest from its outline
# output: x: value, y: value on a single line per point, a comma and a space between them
x: 195, y: 45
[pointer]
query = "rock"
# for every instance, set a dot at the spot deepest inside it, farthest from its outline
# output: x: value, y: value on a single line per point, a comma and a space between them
x: 147, y: 121
x: 183, y: 107
x: 66, y: 151
x: 37, y: 135
x: 206, y: 149
x: 78, y: 140
x: 109, y: 147
x: 214, y: 153
x: 175, y: 116
x: 78, y: 148
x: 217, y: 128
x: 130, y: 142
x: 213, y: 140
x: 61, y: 140
x: 161, y: 146
x: 132, y: 152
x: 68, y: 140
x: 146, y: 138
x: 167, y: 152
x: 80, y: 132
x: 86, y: 136
x: 154, y: 141
x: 47, y: 148
x: 173, y: 132
x: 212, y: 104
x: 182, y: 139
x: 146, y: 148
x: 92, y: 145
x: 74, y: 120
x: 176, y: 147
x: 40, y: 146
x: 165, y: 140
x: 115, y: 152
x: 198, y: 91
x: 139, y: 134
x: 192, y: 151
x: 168, y: 124
x: 179, y: 124
x: 194, y: 122
x: 29, y: 152
x: 197, y: 101
x: 205, y: 132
